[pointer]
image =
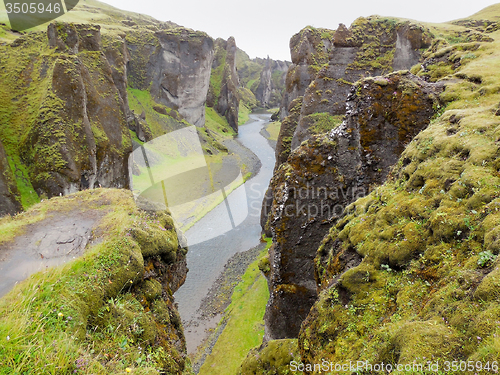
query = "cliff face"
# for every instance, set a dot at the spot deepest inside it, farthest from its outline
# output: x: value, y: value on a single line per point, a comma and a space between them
x: 75, y: 84
x: 9, y: 195
x: 328, y: 172
x: 370, y: 47
x: 224, y: 82
x: 406, y: 274
x: 271, y: 83
x: 325, y: 65
x: 74, y: 134
x: 262, y: 81
x: 175, y: 64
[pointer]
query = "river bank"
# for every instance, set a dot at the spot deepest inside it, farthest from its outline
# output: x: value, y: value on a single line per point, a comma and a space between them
x: 207, y: 259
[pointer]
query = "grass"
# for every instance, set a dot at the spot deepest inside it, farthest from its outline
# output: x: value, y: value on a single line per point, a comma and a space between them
x: 274, y: 130
x: 244, y: 317
x: 58, y: 321
x: 243, y: 114
x: 141, y: 101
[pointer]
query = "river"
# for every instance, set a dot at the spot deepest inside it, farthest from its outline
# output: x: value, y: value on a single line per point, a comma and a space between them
x: 206, y: 259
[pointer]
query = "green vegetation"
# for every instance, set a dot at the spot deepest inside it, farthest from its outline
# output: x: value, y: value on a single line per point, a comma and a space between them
x: 427, y: 284
x: 244, y: 320
x: 243, y: 114
x: 94, y: 315
x: 274, y: 130
x: 323, y: 122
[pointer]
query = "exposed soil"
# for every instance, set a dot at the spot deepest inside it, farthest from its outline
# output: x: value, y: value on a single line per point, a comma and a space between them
x: 50, y: 242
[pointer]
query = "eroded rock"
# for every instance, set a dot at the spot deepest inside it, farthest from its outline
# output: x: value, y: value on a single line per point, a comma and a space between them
x: 328, y: 172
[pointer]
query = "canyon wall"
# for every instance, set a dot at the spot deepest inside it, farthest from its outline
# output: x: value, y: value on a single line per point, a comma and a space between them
x: 324, y: 161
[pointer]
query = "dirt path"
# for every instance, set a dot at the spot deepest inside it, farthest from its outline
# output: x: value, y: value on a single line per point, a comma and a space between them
x: 50, y: 242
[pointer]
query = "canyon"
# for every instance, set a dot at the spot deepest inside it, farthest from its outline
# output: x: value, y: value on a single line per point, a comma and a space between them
x: 382, y: 209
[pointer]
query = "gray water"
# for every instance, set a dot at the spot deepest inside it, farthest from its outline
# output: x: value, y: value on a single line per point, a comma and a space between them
x: 206, y: 260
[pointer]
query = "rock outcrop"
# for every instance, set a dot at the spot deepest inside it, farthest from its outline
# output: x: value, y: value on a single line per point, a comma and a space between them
x: 9, y: 195
x: 370, y: 47
x: 119, y: 293
x: 271, y: 83
x: 175, y: 64
x: 327, y: 173
x: 224, y: 83
x: 79, y: 138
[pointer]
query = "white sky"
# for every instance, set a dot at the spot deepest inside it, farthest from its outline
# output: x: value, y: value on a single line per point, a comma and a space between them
x: 264, y: 27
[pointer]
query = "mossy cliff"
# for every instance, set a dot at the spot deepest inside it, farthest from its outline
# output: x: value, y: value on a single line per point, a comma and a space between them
x: 328, y: 172
x: 271, y: 83
x: 9, y: 202
x: 326, y: 63
x: 223, y: 94
x: 175, y: 65
x: 109, y: 310
x: 406, y: 275
x: 71, y: 95
x: 262, y: 81
x: 62, y: 115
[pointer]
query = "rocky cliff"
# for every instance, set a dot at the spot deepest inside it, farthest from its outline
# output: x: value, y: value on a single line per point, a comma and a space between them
x: 328, y: 172
x: 224, y: 82
x: 404, y: 275
x: 9, y: 201
x: 65, y: 95
x: 67, y: 118
x: 271, y: 83
x: 175, y: 65
x: 325, y: 65
x: 262, y: 80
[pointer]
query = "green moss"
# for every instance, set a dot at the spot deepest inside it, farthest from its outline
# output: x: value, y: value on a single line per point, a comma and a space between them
x: 85, y: 314
x: 428, y: 243
x: 274, y: 357
x: 323, y: 122
x: 159, y: 119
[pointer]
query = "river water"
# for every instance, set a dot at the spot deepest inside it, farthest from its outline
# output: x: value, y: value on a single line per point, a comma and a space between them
x: 206, y: 259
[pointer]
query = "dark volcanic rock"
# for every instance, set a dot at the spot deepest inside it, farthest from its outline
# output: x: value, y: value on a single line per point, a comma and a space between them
x: 326, y: 64
x: 9, y: 201
x: 328, y: 172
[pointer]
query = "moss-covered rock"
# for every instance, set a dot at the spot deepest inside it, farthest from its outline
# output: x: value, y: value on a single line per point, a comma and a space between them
x: 328, y: 172
x: 10, y: 197
x: 272, y: 358
x: 113, y: 302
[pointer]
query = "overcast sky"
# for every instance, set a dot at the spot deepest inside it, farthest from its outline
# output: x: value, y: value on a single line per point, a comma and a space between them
x: 264, y: 27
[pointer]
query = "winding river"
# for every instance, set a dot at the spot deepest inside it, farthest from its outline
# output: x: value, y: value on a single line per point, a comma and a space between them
x: 206, y: 259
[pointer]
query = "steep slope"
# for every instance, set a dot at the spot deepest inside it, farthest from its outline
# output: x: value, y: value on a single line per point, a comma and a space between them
x: 109, y: 310
x: 430, y: 264
x: 224, y: 82
x: 406, y: 276
x: 261, y: 79
x: 328, y: 172
x: 61, y: 112
x: 325, y: 63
